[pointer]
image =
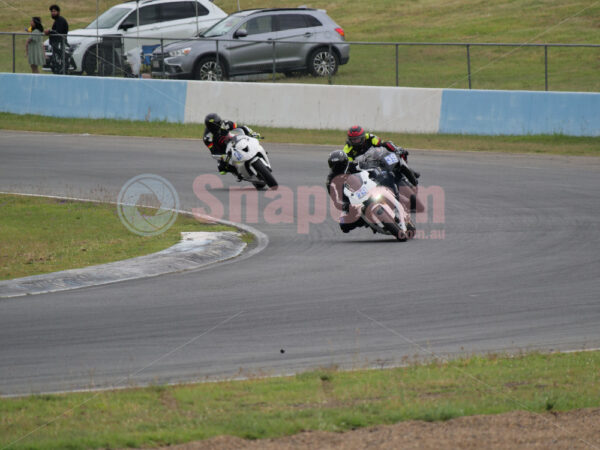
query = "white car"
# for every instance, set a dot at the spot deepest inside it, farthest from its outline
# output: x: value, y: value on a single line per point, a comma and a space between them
x: 170, y: 20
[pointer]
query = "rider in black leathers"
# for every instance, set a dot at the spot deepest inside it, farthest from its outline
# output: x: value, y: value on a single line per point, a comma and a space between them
x: 216, y: 136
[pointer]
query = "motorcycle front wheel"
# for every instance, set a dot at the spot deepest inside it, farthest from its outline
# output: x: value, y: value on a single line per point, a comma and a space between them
x: 390, y: 225
x: 395, y: 231
x: 264, y: 173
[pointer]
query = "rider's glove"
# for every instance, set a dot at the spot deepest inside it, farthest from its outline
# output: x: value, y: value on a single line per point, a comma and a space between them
x: 223, y: 166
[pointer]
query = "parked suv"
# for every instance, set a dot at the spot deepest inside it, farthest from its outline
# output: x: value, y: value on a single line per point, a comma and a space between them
x: 248, y: 42
x: 168, y: 19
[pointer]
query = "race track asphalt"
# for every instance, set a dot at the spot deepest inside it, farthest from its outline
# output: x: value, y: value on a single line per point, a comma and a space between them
x: 514, y: 265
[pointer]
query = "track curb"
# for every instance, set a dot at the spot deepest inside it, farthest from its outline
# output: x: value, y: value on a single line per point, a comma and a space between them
x: 196, y: 251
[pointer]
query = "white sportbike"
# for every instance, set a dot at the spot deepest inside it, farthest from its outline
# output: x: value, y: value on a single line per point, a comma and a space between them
x: 377, y: 204
x: 250, y: 159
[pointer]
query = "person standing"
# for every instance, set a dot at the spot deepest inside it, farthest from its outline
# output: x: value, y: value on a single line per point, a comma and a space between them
x: 34, y: 46
x: 60, y: 27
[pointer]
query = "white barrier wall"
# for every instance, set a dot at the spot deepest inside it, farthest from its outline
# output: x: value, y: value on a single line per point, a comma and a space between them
x: 317, y: 106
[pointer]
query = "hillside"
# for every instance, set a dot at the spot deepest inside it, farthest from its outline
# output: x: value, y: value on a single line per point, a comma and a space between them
x: 465, y: 21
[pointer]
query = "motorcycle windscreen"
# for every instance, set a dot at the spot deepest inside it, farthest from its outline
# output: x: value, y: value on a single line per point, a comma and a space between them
x: 354, y: 183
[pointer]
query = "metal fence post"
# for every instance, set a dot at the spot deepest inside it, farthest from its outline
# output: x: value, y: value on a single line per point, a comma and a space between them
x: 469, y: 64
x: 329, y: 58
x: 162, y: 56
x: 397, y: 68
x: 217, y: 59
x: 274, y: 61
x: 546, y: 65
x: 14, y: 37
x: 64, y: 54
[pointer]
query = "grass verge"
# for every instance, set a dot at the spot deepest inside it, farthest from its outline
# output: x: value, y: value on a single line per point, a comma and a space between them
x: 543, y: 144
x: 325, y: 399
x: 41, y: 235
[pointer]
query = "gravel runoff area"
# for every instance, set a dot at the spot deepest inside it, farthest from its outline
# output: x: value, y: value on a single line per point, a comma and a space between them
x: 577, y: 429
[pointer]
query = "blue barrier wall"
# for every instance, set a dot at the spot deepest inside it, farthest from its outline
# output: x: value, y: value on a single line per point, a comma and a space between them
x: 93, y: 97
x: 520, y: 112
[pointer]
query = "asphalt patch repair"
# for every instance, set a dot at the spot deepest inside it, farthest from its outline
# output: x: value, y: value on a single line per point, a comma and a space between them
x: 577, y: 429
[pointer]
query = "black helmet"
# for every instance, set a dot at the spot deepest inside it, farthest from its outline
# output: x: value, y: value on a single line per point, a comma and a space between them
x: 356, y: 135
x: 338, y: 161
x: 213, y: 122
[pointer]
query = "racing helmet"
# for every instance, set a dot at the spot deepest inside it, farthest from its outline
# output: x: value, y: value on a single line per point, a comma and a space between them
x: 338, y: 161
x: 356, y: 136
x: 213, y: 122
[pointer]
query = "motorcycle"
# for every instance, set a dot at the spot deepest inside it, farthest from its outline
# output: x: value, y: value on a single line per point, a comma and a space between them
x: 250, y: 159
x: 378, y: 204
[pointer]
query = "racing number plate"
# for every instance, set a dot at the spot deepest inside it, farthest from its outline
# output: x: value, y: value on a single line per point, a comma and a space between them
x: 360, y: 194
x: 391, y: 158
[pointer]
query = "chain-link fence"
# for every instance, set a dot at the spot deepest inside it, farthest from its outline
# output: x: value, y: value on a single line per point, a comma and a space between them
x: 558, y: 67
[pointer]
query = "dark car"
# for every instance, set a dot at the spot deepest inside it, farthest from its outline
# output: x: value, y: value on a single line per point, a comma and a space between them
x: 247, y: 42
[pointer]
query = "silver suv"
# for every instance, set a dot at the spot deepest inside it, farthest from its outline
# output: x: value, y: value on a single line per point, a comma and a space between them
x: 251, y: 42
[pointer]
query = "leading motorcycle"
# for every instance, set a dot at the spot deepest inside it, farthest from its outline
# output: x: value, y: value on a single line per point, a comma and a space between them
x: 250, y: 159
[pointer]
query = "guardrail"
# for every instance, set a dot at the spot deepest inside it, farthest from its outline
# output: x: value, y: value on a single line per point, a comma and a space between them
x: 371, y: 56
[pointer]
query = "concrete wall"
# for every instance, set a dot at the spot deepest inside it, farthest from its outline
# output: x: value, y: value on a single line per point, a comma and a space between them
x: 410, y: 110
x: 317, y: 106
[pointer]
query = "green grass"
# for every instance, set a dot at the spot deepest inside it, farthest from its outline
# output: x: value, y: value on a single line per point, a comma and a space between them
x: 41, y: 235
x: 553, y: 144
x: 462, y: 21
x: 325, y: 399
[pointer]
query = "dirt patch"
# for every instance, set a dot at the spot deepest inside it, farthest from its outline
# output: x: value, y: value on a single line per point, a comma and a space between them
x: 577, y: 429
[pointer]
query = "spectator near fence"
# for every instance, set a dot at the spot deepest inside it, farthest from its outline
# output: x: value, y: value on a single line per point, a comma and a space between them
x: 59, y: 27
x: 34, y: 46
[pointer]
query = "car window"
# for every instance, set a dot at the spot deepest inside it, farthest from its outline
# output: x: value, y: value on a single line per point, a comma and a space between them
x: 109, y: 18
x: 258, y: 25
x: 291, y: 21
x: 181, y: 10
x: 223, y: 26
x: 148, y: 15
x: 313, y: 21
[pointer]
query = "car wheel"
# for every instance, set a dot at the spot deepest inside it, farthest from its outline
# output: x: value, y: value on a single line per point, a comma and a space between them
x: 209, y: 70
x: 89, y: 62
x: 321, y: 63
